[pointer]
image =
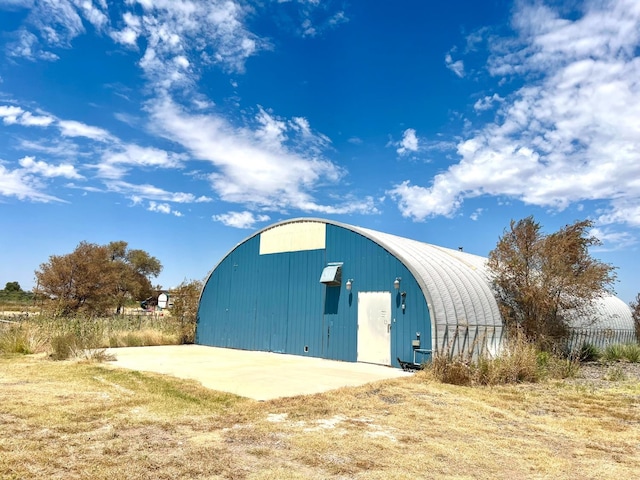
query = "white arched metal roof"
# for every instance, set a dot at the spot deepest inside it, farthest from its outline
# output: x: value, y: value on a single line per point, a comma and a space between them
x: 606, y: 312
x: 456, y: 284
x: 606, y: 321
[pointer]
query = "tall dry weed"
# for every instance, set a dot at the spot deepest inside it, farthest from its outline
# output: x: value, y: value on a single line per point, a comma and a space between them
x: 21, y: 338
x: 519, y: 362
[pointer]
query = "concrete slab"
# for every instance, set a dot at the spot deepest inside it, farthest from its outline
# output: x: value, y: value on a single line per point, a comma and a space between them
x: 257, y: 375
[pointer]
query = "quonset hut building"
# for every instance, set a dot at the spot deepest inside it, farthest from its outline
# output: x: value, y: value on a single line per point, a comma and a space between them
x: 325, y: 289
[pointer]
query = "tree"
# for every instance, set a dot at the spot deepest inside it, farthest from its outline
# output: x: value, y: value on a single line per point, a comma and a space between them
x: 185, y: 308
x: 132, y: 269
x: 541, y: 280
x: 635, y: 307
x: 96, y: 278
x: 13, y: 287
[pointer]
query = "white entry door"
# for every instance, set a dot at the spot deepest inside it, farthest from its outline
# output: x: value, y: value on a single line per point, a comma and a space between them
x: 374, y: 327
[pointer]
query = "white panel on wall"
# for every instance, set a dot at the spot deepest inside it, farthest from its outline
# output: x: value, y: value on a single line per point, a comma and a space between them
x: 293, y: 237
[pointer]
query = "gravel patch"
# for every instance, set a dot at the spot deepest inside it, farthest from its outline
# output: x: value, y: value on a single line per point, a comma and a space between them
x: 605, y: 374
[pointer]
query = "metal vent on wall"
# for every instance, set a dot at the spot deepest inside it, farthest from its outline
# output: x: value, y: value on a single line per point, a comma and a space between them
x: 332, y: 275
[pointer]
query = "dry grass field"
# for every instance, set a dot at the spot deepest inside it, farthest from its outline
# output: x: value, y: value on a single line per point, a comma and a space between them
x: 75, y: 420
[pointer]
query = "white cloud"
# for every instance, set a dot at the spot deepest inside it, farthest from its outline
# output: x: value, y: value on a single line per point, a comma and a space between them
x: 571, y: 133
x: 29, y: 120
x: 54, y: 147
x: 338, y: 18
x: 487, y: 103
x: 130, y: 33
x: 149, y: 192
x: 66, y: 170
x: 10, y: 114
x: 71, y: 128
x: 27, y: 46
x: 15, y: 115
x: 273, y: 166
x: 315, y: 17
x: 270, y: 132
x: 476, y: 214
x: 175, y: 34
x: 612, y: 240
x: 178, y: 35
x: 419, y: 202
x: 345, y: 205
x: 622, y: 210
x: 57, y: 21
x: 163, y: 208
x: 456, y: 67
x: 308, y: 30
x: 23, y: 185
x: 92, y: 13
x: 116, y: 163
x: 409, y: 142
x: 240, y: 219
x: 54, y: 24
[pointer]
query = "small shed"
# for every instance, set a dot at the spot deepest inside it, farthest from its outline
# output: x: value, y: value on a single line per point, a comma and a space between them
x: 325, y: 289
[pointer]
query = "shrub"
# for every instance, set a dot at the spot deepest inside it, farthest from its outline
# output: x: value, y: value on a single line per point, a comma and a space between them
x: 71, y: 345
x: 20, y: 338
x: 132, y: 339
x: 517, y: 364
x: 589, y: 353
x: 82, y: 337
x: 613, y: 353
x: 520, y: 362
x: 632, y: 352
x: 63, y: 346
x: 455, y: 371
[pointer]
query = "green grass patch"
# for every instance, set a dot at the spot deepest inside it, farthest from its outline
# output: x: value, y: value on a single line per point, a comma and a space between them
x: 160, y: 393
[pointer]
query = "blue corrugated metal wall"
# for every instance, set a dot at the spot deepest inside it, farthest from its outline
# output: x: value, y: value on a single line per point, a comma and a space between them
x: 276, y: 303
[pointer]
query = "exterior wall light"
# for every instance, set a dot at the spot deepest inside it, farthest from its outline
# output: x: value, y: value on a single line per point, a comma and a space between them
x: 348, y: 284
x: 396, y: 283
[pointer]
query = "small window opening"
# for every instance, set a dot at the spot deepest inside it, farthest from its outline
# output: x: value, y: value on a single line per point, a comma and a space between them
x: 332, y: 275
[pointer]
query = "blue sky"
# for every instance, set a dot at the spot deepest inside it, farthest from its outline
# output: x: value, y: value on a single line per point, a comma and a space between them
x: 182, y: 126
